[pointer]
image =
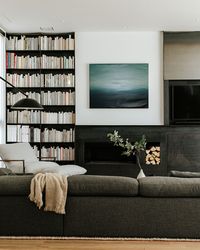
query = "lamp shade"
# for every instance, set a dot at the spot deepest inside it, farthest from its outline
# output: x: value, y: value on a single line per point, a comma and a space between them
x: 27, y: 103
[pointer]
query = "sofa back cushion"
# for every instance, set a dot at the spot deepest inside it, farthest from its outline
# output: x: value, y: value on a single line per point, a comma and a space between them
x: 15, y: 184
x: 78, y: 185
x: 169, y: 187
x: 96, y: 185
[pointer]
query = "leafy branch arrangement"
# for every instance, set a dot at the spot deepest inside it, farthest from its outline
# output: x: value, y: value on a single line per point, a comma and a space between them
x: 127, y: 146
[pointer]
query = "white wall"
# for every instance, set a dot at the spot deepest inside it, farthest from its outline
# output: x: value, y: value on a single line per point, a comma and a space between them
x: 119, y: 47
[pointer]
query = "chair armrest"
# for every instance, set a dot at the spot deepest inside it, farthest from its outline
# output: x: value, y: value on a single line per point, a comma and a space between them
x: 23, y: 163
x: 46, y: 158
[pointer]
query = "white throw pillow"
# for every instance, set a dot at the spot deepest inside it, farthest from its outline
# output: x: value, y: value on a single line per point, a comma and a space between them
x: 17, y: 151
x: 71, y: 170
x: 53, y: 167
x: 41, y: 167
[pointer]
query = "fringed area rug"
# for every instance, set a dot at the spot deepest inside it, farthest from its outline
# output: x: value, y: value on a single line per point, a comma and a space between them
x: 94, y: 238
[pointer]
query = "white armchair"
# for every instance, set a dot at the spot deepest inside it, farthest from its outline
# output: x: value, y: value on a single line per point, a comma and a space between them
x: 20, y: 158
x: 16, y: 156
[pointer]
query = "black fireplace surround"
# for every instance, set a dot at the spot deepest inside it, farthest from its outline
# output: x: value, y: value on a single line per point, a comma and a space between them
x: 179, y: 146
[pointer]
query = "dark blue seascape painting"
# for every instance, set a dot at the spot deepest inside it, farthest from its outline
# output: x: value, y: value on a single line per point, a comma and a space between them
x: 118, y: 85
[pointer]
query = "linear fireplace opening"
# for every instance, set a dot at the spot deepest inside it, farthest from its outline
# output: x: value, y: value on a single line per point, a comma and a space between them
x: 102, y: 158
x: 106, y: 152
x: 105, y: 159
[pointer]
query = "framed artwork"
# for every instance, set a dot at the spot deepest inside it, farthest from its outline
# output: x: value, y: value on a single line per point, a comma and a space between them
x: 118, y: 85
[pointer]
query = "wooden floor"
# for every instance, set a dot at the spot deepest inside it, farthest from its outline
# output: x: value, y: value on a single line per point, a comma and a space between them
x: 96, y: 245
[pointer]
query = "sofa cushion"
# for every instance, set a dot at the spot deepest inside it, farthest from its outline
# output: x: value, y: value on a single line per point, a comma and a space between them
x: 96, y: 185
x: 15, y: 184
x: 80, y: 185
x: 169, y: 187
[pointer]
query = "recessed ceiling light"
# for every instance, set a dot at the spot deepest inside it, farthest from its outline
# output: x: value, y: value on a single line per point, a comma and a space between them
x: 46, y: 28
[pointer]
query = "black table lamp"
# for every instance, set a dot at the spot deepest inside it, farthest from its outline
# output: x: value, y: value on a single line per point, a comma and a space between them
x: 25, y: 103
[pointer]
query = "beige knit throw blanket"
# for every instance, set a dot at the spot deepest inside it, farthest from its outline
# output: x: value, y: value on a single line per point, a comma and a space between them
x: 55, y: 188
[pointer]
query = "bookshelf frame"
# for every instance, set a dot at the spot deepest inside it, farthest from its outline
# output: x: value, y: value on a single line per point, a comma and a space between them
x: 55, y: 53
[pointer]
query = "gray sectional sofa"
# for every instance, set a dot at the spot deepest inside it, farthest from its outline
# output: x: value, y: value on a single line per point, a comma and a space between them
x: 99, y: 206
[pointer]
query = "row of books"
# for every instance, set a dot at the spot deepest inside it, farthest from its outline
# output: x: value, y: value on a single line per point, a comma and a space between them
x: 41, y: 80
x: 24, y: 116
x: 33, y: 117
x: 51, y: 62
x: 13, y: 98
x: 54, y: 135
x: 58, y: 117
x: 64, y: 80
x: 14, y: 61
x: 56, y: 43
x: 45, y: 98
x: 58, y: 98
x: 40, y: 43
x: 61, y: 153
x: 19, y: 133
x: 26, y: 80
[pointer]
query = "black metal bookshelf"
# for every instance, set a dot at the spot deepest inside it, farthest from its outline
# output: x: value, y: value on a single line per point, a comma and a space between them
x: 61, y: 48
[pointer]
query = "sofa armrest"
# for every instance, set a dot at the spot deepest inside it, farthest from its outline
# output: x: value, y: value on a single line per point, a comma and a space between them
x: 23, y: 163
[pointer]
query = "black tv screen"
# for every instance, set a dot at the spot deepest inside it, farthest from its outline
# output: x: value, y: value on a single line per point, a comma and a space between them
x: 185, y: 102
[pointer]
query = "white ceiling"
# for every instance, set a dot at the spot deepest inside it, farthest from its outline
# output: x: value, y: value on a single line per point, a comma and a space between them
x: 100, y: 15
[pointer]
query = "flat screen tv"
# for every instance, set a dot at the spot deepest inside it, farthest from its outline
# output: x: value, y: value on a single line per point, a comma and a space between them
x: 185, y: 102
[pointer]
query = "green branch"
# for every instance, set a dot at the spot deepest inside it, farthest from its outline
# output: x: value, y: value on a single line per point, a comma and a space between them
x: 127, y: 146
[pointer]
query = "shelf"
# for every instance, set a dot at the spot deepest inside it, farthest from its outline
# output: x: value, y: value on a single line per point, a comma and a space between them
x: 42, y: 124
x: 53, y: 143
x: 23, y: 142
x: 40, y: 70
x: 63, y: 162
x: 31, y: 89
x: 55, y: 108
x: 40, y: 51
x: 41, y: 34
x: 23, y: 124
x: 58, y: 143
x: 62, y: 106
x: 50, y: 106
x: 55, y: 125
x: 24, y: 51
x: 67, y: 144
